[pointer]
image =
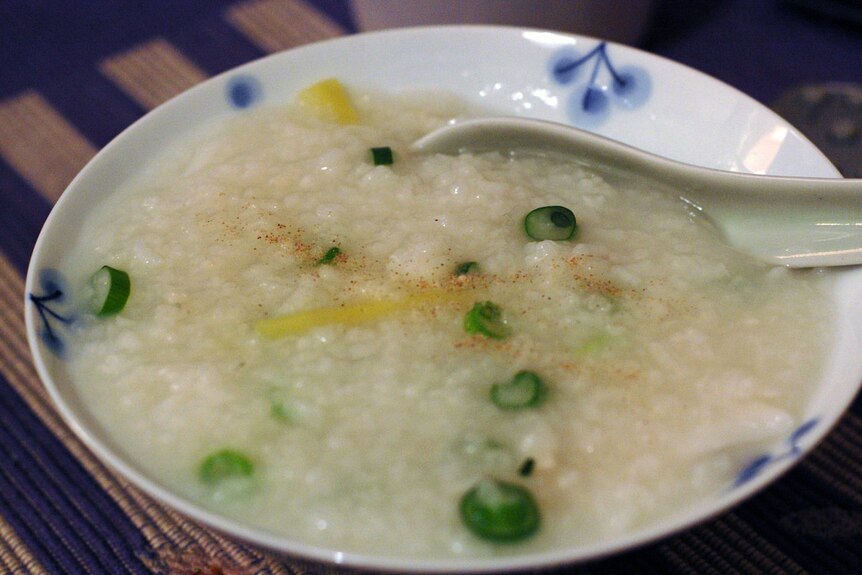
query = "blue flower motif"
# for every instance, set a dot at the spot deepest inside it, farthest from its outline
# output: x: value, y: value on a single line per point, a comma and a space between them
x: 244, y: 92
x: 590, y: 104
x: 790, y: 449
x: 53, y: 296
x: 633, y: 88
x: 800, y: 432
x: 753, y: 469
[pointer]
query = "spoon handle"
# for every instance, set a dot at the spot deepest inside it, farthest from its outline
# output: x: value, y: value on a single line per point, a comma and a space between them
x: 795, y: 222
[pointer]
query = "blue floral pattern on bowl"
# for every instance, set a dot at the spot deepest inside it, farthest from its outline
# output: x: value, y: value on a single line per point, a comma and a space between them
x: 590, y: 104
x: 52, y: 306
x: 790, y: 449
x: 243, y: 92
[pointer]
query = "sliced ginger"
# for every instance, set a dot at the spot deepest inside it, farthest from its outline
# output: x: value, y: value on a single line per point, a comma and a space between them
x: 353, y: 313
x: 328, y: 100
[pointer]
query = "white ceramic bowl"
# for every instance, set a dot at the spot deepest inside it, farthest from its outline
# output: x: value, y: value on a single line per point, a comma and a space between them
x: 664, y: 108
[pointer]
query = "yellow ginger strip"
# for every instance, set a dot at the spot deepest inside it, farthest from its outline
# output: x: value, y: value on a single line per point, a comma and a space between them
x: 329, y: 101
x: 353, y: 313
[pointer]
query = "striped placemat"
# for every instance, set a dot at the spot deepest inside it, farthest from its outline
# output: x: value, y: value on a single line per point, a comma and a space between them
x: 62, y: 511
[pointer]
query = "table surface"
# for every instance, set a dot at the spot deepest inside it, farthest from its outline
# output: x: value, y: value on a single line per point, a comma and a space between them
x: 74, y: 74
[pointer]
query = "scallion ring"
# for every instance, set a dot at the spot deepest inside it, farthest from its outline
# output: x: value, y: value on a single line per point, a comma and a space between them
x: 550, y: 223
x: 466, y: 268
x: 224, y: 465
x: 329, y: 257
x: 382, y: 156
x: 525, y: 389
x: 111, y: 289
x: 486, y: 318
x: 500, y: 511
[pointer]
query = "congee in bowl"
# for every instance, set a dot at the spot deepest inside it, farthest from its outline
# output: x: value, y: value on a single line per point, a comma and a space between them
x: 296, y: 322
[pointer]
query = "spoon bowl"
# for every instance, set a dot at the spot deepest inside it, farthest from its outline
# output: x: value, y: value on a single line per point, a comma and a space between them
x: 788, y: 221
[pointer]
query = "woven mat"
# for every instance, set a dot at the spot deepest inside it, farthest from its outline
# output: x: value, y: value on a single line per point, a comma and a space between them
x: 62, y: 511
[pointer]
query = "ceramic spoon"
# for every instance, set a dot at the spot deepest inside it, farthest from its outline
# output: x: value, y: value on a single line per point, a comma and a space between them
x: 794, y: 222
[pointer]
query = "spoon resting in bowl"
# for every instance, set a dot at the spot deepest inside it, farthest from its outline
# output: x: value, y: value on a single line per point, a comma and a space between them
x: 788, y: 221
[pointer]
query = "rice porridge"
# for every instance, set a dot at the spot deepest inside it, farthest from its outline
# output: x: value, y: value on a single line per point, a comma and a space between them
x: 362, y: 356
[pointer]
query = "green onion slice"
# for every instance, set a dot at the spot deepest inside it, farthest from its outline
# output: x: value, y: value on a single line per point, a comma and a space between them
x: 225, y: 464
x: 500, y: 511
x: 111, y: 290
x: 466, y: 268
x: 280, y: 412
x: 550, y: 223
x: 486, y: 318
x: 596, y: 344
x: 525, y: 389
x: 382, y: 156
x: 329, y: 257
